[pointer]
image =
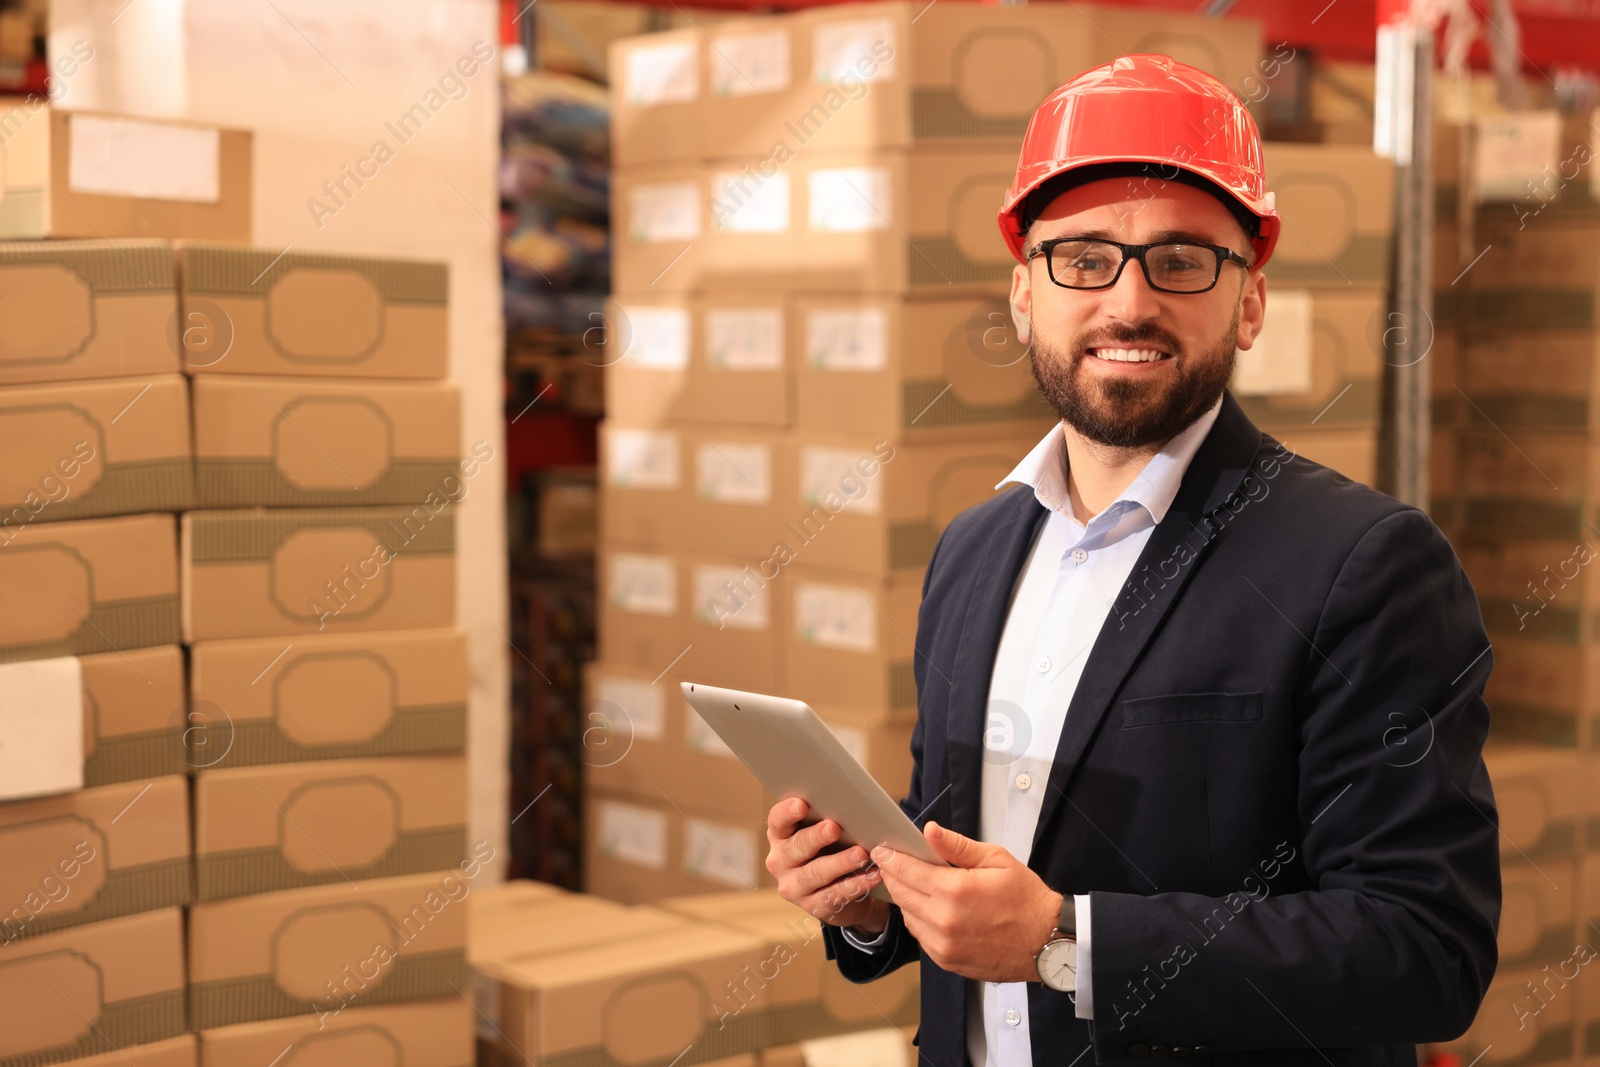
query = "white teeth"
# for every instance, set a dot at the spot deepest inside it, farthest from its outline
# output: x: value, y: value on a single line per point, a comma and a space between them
x: 1128, y: 355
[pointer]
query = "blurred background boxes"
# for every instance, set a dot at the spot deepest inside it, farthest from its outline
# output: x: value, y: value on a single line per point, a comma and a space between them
x: 436, y: 1033
x: 638, y: 850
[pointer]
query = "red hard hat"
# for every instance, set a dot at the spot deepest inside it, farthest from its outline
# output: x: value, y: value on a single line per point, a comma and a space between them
x: 1145, y: 109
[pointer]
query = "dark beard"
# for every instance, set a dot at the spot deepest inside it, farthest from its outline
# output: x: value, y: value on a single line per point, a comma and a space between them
x: 1125, y: 413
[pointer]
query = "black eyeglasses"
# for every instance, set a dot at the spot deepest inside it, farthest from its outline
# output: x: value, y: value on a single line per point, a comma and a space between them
x: 1169, y: 266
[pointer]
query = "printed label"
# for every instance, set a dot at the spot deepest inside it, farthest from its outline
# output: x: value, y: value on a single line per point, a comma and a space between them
x: 743, y: 64
x: 749, y: 202
x: 833, y: 470
x: 664, y: 211
x: 847, y: 339
x: 720, y: 853
x: 645, y: 585
x: 734, y: 472
x: 663, y: 74
x: 1280, y: 362
x: 730, y: 597
x: 745, y: 338
x: 643, y: 704
x: 633, y: 834
x: 642, y: 459
x: 146, y: 160
x: 835, y: 616
x: 658, y: 338
x: 849, y: 199
x: 840, y: 48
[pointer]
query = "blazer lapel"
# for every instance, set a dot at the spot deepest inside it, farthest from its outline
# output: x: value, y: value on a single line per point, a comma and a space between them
x: 1006, y: 551
x: 1178, y: 544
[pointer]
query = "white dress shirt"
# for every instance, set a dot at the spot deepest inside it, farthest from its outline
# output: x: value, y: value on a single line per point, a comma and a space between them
x: 1060, y: 602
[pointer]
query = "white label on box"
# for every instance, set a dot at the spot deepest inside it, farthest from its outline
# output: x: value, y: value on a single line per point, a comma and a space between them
x: 748, y: 202
x: 854, y: 740
x: 701, y: 738
x: 633, y: 834
x: 849, y: 199
x: 658, y: 338
x: 745, y: 338
x: 664, y: 211
x: 664, y: 74
x: 644, y: 585
x: 642, y: 459
x: 826, y: 470
x: 743, y: 64
x: 847, y: 339
x: 41, y: 727
x: 1515, y: 149
x: 1280, y: 362
x: 486, y: 998
x: 147, y: 160
x: 643, y: 705
x: 862, y: 48
x: 730, y: 597
x: 734, y: 473
x: 720, y: 853
x: 835, y: 616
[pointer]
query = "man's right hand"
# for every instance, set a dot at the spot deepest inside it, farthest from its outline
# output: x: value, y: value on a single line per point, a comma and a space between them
x: 832, y: 887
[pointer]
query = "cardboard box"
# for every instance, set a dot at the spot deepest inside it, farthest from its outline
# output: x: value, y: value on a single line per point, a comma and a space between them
x: 135, y: 721
x: 638, y: 851
x: 313, y: 314
x: 643, y: 608
x: 101, y: 309
x: 1544, y: 481
x: 332, y: 696
x: 286, y: 826
x: 1546, y: 691
x: 516, y: 893
x: 77, y: 450
x: 298, y: 571
x: 848, y: 640
x: 97, y: 585
x: 647, y: 372
x: 569, y: 513
x: 1537, y: 589
x: 874, y: 508
x: 546, y: 923
x: 1541, y: 802
x: 174, y: 1052
x: 93, y: 855
x: 94, y: 989
x: 884, y: 220
x: 1526, y: 1019
x: 1337, y: 203
x: 1353, y: 451
x: 903, y: 369
x: 1230, y: 49
x: 639, y: 1000
x: 92, y: 175
x: 1319, y: 360
x: 327, y: 948
x: 435, y: 1033
x: 1538, y: 912
x: 652, y: 743
x: 1531, y: 379
x: 736, y: 611
x: 807, y: 998
x: 1549, y: 252
x: 309, y: 443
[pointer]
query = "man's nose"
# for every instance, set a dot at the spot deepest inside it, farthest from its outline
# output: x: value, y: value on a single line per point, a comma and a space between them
x: 1131, y: 300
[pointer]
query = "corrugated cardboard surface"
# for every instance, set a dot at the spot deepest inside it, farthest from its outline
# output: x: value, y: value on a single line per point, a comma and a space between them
x: 633, y: 1001
x: 314, y: 314
x: 1542, y: 804
x: 1544, y: 589
x: 44, y: 196
x: 1546, y: 690
x: 287, y: 443
x: 847, y: 640
x: 798, y: 988
x: 175, y: 1052
x: 643, y: 608
x: 258, y: 829
x: 332, y: 696
x: 327, y: 948
x: 92, y: 855
x: 98, y: 585
x: 100, y: 309
x: 134, y: 716
x: 435, y: 1033
x: 1538, y: 912
x: 76, y: 450
x: 637, y: 851
x: 912, y: 369
x: 1530, y: 378
x: 93, y: 989
x: 298, y: 571
x: 1337, y: 204
x: 1347, y: 358
x: 541, y: 925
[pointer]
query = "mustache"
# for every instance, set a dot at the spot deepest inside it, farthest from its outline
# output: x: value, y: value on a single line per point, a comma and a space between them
x: 1148, y: 335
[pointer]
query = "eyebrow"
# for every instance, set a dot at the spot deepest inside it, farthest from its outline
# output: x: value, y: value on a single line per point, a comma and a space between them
x: 1192, y: 237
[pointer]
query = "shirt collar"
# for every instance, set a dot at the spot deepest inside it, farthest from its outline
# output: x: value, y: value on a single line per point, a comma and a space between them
x: 1154, y: 489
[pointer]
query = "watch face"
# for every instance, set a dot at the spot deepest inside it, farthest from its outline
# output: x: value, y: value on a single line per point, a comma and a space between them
x: 1058, y: 965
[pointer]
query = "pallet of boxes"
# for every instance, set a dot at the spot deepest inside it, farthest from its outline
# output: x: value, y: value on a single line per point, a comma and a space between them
x: 249, y: 678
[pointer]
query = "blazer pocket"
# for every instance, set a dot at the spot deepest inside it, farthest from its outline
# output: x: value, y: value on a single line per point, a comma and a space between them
x: 1190, y: 707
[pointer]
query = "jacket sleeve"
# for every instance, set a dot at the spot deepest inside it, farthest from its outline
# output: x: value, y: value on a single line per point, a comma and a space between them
x: 1396, y: 942
x: 899, y: 947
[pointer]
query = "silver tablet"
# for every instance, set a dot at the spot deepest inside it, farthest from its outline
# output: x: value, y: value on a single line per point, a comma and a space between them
x: 794, y: 754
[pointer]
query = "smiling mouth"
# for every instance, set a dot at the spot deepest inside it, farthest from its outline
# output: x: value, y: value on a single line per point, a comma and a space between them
x: 1129, y: 355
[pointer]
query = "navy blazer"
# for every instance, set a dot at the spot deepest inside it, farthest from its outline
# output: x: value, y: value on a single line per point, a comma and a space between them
x: 1270, y: 781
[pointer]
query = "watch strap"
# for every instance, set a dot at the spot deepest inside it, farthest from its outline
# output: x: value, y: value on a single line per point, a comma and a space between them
x: 1067, y: 924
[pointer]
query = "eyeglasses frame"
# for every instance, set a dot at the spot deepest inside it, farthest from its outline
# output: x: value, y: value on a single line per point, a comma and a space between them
x: 1131, y: 252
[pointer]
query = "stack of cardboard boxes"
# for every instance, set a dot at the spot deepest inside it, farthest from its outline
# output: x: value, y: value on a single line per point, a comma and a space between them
x: 733, y: 979
x: 328, y: 685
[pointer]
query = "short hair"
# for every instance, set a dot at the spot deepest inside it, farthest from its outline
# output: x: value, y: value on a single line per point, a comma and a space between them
x: 1041, y: 198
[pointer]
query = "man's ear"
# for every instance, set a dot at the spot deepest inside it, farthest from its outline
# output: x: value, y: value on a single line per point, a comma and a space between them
x: 1252, y: 309
x: 1022, y: 303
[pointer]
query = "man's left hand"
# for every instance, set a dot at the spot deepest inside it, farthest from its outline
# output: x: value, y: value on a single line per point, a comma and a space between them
x: 984, y: 917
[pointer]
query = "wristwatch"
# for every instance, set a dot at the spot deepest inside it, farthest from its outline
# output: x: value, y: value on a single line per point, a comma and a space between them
x: 1058, y: 959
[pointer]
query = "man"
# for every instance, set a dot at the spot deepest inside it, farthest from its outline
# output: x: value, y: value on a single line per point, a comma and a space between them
x: 1200, y: 722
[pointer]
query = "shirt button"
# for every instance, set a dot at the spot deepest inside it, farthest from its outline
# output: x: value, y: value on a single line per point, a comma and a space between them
x: 1013, y: 1017
x: 1079, y: 555
x: 1024, y: 780
x: 1043, y: 664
